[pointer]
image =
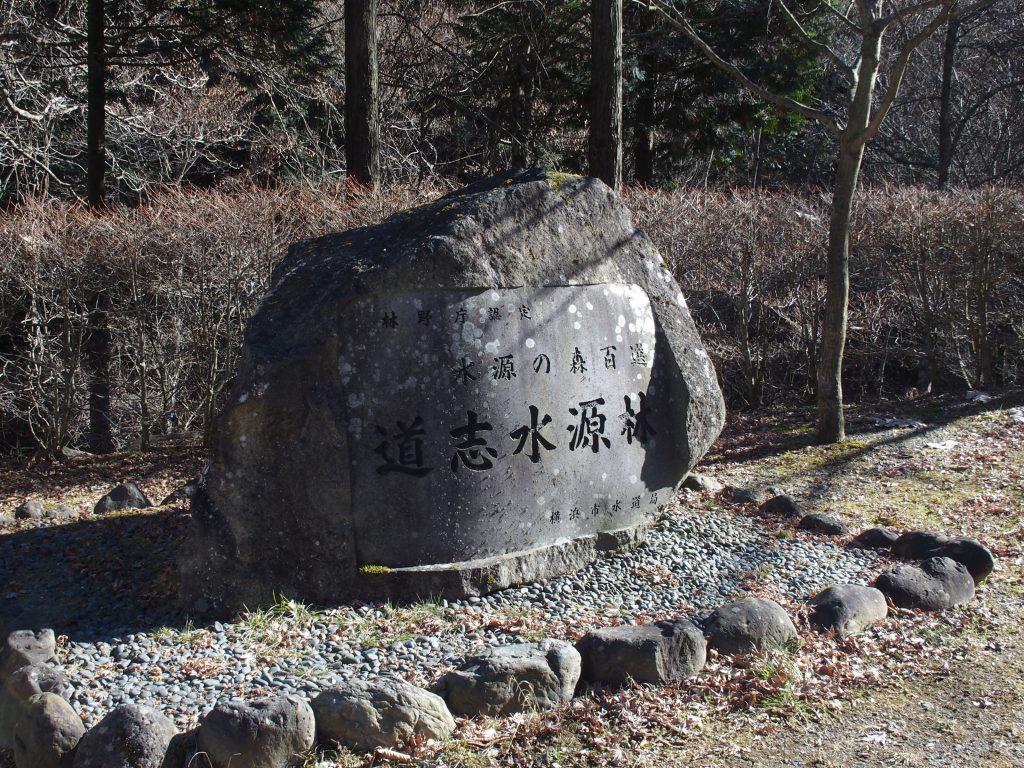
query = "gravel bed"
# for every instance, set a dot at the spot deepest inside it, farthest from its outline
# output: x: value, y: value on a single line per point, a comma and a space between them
x: 692, y: 562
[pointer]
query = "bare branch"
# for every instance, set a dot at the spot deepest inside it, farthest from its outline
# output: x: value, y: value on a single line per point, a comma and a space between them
x: 899, y: 69
x: 827, y: 51
x: 679, y: 22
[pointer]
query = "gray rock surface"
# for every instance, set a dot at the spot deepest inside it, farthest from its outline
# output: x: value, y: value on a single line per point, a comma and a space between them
x: 513, y: 678
x: 130, y: 736
x: 263, y: 733
x: 124, y: 496
x: 874, y: 538
x: 752, y: 624
x: 387, y: 712
x: 974, y: 555
x: 181, y: 752
x: 319, y: 372
x: 782, y: 506
x: 826, y: 524
x: 21, y: 686
x: 917, y: 545
x: 647, y: 653
x: 30, y: 509
x: 24, y: 647
x: 703, y: 483
x: 938, y: 584
x: 745, y: 495
x: 848, y: 609
x: 60, y: 512
x: 184, y: 493
x: 46, y: 733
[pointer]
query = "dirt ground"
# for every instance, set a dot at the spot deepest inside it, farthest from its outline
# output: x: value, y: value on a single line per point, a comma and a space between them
x: 921, y: 690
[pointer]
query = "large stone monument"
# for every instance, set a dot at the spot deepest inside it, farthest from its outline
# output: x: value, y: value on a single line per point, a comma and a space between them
x: 487, y: 390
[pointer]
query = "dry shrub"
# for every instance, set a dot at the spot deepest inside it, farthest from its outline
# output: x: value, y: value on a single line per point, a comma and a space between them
x: 937, y: 286
x: 938, y: 289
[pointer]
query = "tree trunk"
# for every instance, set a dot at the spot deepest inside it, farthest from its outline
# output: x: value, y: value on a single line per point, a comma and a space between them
x: 831, y: 424
x: 605, y: 153
x: 362, y: 125
x: 946, y: 103
x: 97, y: 362
x: 643, y: 132
x: 523, y: 87
x: 96, y: 102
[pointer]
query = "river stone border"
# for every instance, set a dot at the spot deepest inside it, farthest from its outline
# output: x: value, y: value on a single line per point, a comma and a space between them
x: 33, y: 729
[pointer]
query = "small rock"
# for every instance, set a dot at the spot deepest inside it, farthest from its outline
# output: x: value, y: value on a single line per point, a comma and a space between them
x: 21, y: 686
x: 184, y: 493
x: 974, y: 555
x: 753, y: 624
x: 874, y: 538
x: 781, y: 506
x: 46, y: 733
x: 387, y: 712
x: 30, y: 509
x: 513, y: 678
x: 703, y: 483
x: 745, y: 495
x: 649, y: 653
x: 938, y: 584
x: 125, y: 496
x: 828, y: 525
x: 24, y: 647
x: 270, y: 732
x: 129, y: 736
x: 917, y: 545
x: 848, y: 609
x: 60, y: 512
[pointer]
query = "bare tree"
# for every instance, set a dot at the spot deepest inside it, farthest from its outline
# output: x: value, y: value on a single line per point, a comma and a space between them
x: 853, y: 49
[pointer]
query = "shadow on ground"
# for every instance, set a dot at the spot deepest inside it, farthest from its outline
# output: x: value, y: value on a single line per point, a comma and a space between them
x: 94, y: 578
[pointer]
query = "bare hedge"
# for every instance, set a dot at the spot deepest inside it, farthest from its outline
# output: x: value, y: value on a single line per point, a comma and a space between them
x: 937, y: 294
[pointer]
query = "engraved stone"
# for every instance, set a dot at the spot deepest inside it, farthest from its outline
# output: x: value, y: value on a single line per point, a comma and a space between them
x: 490, y: 389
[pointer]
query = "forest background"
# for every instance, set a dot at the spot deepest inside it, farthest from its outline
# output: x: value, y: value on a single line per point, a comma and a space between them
x: 225, y: 140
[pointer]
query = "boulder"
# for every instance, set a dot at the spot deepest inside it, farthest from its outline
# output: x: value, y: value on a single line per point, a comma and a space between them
x: 24, y: 647
x: 648, y: 653
x: 46, y: 733
x: 503, y: 376
x: 387, y: 712
x: 124, y: 496
x: 917, y: 545
x: 874, y: 538
x: 828, y: 525
x: 938, y: 584
x: 745, y: 495
x: 21, y: 686
x: 181, y: 752
x: 848, y: 609
x: 60, y: 512
x: 184, y: 493
x: 129, y: 736
x: 30, y: 509
x: 971, y: 553
x: 271, y: 732
x: 781, y: 506
x: 752, y: 624
x: 513, y: 678
x: 702, y: 483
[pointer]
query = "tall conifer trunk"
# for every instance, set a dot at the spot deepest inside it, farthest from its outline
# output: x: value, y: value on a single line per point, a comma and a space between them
x: 605, y: 152
x: 96, y: 102
x: 362, y: 123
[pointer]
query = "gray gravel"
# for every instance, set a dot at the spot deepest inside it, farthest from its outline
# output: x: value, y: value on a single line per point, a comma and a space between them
x: 692, y: 562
